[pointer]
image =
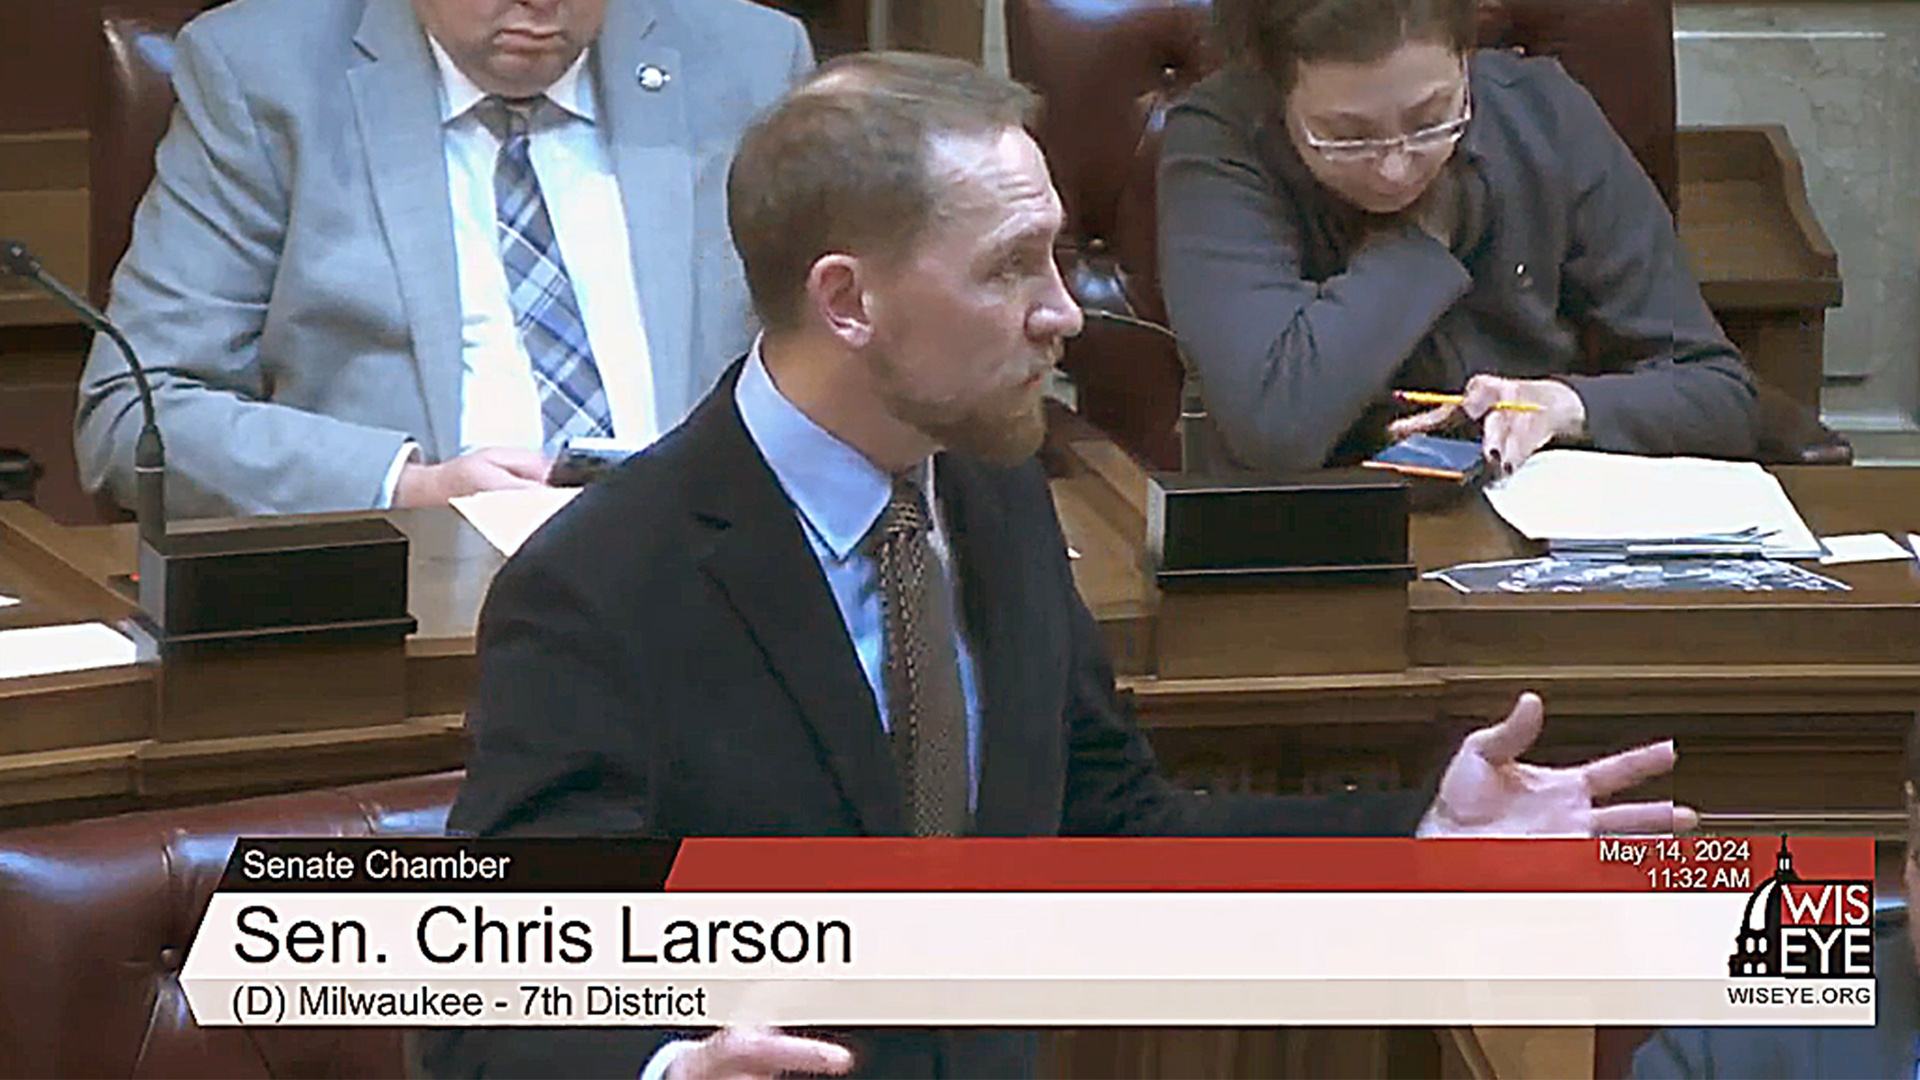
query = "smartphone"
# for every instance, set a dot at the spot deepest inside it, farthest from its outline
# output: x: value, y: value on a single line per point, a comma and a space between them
x: 582, y: 461
x: 1432, y: 457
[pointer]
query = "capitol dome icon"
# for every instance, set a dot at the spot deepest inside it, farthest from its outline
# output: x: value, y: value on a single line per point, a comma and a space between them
x: 1756, y: 949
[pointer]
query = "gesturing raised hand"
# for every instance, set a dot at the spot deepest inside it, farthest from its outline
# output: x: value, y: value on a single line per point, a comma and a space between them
x: 1489, y: 791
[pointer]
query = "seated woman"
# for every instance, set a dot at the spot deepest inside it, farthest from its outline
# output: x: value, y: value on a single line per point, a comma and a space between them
x: 1360, y: 202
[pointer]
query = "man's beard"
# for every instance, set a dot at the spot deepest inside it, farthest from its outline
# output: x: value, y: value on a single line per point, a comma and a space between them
x: 1006, y: 427
x: 1003, y: 437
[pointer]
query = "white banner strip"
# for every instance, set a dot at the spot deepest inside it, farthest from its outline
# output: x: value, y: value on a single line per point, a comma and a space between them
x: 699, y: 1003
x: 1005, y: 958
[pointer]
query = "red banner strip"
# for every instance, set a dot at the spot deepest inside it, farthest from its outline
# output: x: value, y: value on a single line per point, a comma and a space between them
x: 1317, y: 865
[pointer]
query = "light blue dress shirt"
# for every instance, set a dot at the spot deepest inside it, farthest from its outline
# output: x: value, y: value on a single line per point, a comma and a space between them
x: 839, y: 496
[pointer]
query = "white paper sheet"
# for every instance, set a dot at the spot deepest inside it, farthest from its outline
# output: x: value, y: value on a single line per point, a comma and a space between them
x: 1584, y: 495
x: 8, y: 601
x: 507, y: 518
x: 46, y: 650
x: 1863, y: 547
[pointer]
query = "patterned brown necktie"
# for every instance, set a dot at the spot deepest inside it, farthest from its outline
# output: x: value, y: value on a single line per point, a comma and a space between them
x: 925, y: 707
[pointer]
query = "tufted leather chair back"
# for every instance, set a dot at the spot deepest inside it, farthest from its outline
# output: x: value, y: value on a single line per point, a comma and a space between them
x: 96, y: 917
x: 1107, y: 73
x: 1110, y: 69
x: 132, y: 103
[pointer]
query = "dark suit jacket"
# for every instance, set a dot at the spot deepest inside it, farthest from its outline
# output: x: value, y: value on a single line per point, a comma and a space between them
x: 1885, y: 1051
x: 665, y: 659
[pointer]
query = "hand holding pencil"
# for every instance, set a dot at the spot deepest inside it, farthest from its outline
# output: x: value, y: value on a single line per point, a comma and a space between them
x: 1426, y: 397
x: 1518, y: 416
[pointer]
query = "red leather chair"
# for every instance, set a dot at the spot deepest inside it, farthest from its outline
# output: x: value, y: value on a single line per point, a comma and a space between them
x: 95, y: 921
x: 132, y: 102
x: 1110, y: 69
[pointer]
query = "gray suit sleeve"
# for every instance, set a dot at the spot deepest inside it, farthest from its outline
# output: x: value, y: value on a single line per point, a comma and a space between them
x: 1286, y: 365
x: 802, y: 58
x: 1681, y: 387
x: 193, y: 295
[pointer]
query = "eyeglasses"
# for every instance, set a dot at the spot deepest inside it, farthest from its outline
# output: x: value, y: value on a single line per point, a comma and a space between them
x: 1425, y: 141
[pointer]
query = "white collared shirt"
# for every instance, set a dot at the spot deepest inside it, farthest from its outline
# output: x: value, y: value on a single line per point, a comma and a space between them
x: 499, y: 402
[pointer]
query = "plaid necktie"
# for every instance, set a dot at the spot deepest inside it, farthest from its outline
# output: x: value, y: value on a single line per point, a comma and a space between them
x: 573, y: 403
x: 925, y: 707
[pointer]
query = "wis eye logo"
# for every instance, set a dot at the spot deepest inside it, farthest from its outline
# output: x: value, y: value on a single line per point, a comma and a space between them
x: 1796, y: 929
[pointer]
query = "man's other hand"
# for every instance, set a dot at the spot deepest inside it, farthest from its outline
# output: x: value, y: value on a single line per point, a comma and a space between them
x: 758, y: 1054
x: 1489, y: 791
x: 493, y: 468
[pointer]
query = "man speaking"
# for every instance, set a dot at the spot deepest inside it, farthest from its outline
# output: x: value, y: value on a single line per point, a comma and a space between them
x: 850, y: 610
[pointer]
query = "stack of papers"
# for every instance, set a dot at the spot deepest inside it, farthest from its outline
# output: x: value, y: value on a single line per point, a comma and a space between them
x: 1554, y: 575
x: 1866, y: 547
x: 1594, y: 505
x: 47, y: 650
x: 508, y: 517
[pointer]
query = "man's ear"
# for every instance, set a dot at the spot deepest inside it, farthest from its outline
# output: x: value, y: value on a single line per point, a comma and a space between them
x: 837, y: 290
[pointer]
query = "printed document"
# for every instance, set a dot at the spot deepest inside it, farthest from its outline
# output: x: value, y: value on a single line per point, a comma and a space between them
x: 1582, y: 495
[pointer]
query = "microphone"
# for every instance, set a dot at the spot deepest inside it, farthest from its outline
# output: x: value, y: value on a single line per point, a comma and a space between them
x: 149, y: 454
x: 242, y: 585
x: 1130, y: 320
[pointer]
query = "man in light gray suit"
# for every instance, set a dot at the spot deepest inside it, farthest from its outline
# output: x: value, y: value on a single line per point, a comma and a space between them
x: 398, y: 251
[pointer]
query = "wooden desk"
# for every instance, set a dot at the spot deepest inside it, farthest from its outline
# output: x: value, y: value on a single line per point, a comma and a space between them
x: 97, y: 742
x: 94, y: 742
x: 1790, y: 709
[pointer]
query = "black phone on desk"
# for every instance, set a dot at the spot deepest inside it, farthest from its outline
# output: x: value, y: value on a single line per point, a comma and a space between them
x: 1439, y: 472
x: 582, y: 461
x: 1432, y: 457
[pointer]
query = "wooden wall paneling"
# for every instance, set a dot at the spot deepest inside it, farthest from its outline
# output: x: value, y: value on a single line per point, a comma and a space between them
x: 39, y: 387
x: 43, y: 203
x: 47, y: 55
x: 949, y: 27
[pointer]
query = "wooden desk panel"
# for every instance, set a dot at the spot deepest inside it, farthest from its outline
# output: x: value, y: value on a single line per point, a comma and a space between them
x: 1787, y: 708
x: 86, y: 743
x: 1878, y: 622
x: 1790, y: 711
x: 1808, y: 745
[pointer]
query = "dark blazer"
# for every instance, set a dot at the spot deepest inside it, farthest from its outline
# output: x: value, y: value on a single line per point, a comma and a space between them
x: 665, y: 658
x: 1298, y: 329
x: 1885, y: 1051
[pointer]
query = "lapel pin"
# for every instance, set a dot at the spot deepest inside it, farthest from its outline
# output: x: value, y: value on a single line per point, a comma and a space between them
x: 653, y: 78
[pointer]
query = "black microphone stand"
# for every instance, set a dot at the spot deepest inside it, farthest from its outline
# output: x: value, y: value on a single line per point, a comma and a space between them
x: 149, y: 452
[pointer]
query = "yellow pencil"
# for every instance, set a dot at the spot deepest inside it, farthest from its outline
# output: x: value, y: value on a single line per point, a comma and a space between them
x: 1425, y: 397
